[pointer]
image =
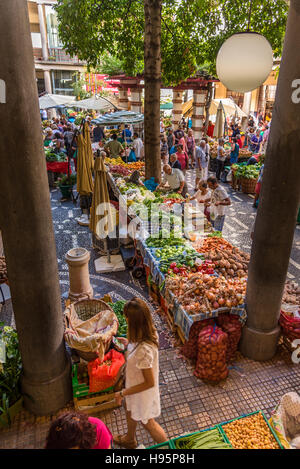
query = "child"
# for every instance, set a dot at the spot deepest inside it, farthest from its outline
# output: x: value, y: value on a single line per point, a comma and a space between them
x: 203, y: 196
x: 75, y: 430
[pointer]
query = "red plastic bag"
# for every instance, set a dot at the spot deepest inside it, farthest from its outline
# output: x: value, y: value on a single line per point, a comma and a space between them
x: 231, y: 324
x: 189, y: 349
x: 290, y: 326
x: 211, y: 360
x: 105, y: 375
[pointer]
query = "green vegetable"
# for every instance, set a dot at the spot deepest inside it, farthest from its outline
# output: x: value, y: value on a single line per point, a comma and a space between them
x: 118, y: 309
x: 215, y: 234
x: 211, y: 439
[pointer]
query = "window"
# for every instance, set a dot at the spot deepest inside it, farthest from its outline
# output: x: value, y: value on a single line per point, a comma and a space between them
x: 36, y: 40
x: 52, y: 28
x: 62, y: 81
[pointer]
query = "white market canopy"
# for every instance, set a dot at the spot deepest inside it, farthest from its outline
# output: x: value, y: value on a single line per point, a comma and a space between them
x: 229, y: 107
x: 49, y: 101
x: 95, y: 104
x: 120, y: 117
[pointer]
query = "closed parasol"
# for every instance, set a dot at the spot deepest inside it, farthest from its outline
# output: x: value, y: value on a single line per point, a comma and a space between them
x: 85, y: 162
x: 220, y: 122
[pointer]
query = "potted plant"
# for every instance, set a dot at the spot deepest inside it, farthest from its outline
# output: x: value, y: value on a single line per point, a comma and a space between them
x: 10, y: 394
x: 248, y: 176
x: 66, y: 183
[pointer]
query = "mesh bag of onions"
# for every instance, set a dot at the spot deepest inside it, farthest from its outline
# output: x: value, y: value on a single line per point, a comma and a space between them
x: 233, y: 328
x: 189, y: 350
x: 211, y: 358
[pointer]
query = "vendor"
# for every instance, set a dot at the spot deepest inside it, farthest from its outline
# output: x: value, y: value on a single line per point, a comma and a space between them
x: 235, y: 149
x: 141, y: 391
x: 175, y: 179
x: 114, y: 147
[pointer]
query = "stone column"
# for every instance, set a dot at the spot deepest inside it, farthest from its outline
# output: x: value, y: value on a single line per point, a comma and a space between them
x: 262, y: 99
x: 78, y: 262
x: 177, y: 108
x: 26, y: 222
x: 199, y: 97
x: 123, y: 98
x: 43, y: 31
x: 48, y: 84
x: 136, y: 100
x: 278, y: 206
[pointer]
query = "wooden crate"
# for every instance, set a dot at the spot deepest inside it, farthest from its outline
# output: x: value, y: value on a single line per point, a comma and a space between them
x: 94, y: 405
x: 180, y: 334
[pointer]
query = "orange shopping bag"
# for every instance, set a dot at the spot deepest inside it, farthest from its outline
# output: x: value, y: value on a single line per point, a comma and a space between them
x: 105, y: 374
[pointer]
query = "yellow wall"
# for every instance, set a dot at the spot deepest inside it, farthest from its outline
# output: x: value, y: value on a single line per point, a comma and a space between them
x: 221, y: 91
x: 33, y: 13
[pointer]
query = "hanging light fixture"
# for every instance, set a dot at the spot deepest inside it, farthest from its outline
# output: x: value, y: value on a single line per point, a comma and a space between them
x: 245, y: 60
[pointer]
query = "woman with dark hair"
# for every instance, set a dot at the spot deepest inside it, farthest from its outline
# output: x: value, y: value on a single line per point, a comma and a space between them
x: 141, y: 387
x: 74, y: 430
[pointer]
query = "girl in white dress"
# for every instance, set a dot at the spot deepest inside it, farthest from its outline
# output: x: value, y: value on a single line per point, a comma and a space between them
x: 141, y: 391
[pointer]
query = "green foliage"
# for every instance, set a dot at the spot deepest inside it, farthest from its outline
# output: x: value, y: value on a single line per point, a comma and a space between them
x: 192, y: 32
x: 248, y: 172
x: 66, y: 180
x: 10, y: 371
x: 79, y: 88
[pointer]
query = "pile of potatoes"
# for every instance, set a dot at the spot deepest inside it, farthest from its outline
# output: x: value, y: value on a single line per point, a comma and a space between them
x: 291, y: 294
x: 229, y: 264
x: 3, y: 270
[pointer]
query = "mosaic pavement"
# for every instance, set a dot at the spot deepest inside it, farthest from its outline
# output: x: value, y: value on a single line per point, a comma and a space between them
x: 187, y: 403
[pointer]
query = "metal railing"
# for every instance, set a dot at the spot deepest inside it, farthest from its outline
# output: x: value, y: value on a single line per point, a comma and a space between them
x: 60, y: 55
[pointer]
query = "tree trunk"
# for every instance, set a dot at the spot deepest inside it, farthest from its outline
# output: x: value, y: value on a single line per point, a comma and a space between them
x: 152, y: 78
x: 278, y: 206
x: 26, y: 222
x: 207, y: 106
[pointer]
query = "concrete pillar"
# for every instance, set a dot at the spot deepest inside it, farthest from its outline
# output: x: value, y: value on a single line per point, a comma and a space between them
x: 26, y: 223
x: 43, y: 31
x: 262, y: 99
x: 78, y: 262
x: 199, y: 97
x: 177, y: 108
x: 247, y: 102
x: 123, y: 98
x: 278, y: 206
x: 48, y: 84
x: 136, y: 100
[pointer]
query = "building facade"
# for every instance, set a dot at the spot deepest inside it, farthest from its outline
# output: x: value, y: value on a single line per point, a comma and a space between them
x: 56, y: 70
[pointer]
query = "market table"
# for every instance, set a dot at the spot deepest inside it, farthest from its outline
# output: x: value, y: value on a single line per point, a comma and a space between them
x: 58, y: 167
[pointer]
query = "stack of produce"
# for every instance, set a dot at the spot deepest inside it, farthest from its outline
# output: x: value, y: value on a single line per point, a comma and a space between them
x: 291, y: 294
x: 233, y: 328
x: 165, y: 239
x: 52, y: 157
x: 209, y: 439
x: 118, y: 170
x: 189, y: 349
x: 118, y: 308
x: 250, y: 433
x: 213, y: 243
x: 177, y: 260
x: 3, y: 270
x: 211, y: 358
x: 201, y: 293
x: 229, y: 264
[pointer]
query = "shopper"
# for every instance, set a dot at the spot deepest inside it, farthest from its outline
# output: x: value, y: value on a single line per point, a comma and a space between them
x: 126, y: 135
x: 174, y: 163
x: 221, y: 157
x: 171, y: 140
x: 175, y: 179
x: 203, y: 196
x: 219, y: 200
x: 98, y: 134
x: 235, y: 149
x: 210, y: 129
x: 142, y: 376
x: 201, y: 163
x: 75, y: 430
x: 190, y: 144
x: 179, y: 133
x: 183, y: 158
x: 114, y: 147
x: 164, y: 153
x: 258, y: 185
x: 138, y: 146
x: 59, y: 142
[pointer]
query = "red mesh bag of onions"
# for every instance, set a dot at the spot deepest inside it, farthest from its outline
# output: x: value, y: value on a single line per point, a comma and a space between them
x: 189, y: 350
x: 211, y: 359
x: 233, y: 328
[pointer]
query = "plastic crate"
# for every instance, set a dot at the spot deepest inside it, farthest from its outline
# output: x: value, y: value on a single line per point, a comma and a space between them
x: 249, y: 415
x: 166, y: 445
x: 201, y: 431
x: 82, y: 389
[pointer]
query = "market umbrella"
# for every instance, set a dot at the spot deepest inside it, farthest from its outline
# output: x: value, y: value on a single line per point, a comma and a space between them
x: 49, y: 101
x: 96, y: 104
x: 85, y: 162
x: 120, y: 117
x: 220, y: 120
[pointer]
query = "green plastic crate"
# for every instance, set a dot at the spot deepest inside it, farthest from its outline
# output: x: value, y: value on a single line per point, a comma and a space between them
x: 201, y: 431
x: 82, y: 389
x: 166, y: 445
x: 248, y: 415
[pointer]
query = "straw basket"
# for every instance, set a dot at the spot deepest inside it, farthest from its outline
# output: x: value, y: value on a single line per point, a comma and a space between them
x: 248, y: 185
x: 86, y: 309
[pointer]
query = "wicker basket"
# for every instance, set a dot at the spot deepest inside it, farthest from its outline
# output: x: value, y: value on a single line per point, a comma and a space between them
x: 86, y: 309
x: 248, y: 185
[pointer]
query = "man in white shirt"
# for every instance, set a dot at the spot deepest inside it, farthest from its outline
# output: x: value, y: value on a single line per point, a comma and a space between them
x: 137, y: 146
x: 175, y: 178
x: 201, y: 163
x: 219, y: 200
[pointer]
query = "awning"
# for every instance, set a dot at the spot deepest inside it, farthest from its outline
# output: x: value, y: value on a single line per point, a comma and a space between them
x: 166, y: 106
x: 120, y: 117
x: 49, y: 101
x: 96, y: 104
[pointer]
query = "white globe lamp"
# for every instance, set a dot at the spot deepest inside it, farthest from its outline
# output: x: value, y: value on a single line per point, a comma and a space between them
x: 244, y: 61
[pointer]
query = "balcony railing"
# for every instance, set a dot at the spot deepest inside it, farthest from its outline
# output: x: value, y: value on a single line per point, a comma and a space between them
x: 57, y: 55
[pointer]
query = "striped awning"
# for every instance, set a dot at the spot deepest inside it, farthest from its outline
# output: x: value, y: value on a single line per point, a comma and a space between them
x: 120, y: 117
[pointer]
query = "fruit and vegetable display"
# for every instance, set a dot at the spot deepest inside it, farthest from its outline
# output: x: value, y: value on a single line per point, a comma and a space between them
x: 3, y: 270
x: 119, y: 170
x: 250, y: 432
x: 291, y: 294
x: 118, y: 308
x: 165, y: 238
x: 211, y: 357
x: 177, y: 259
x: 209, y: 439
x: 201, y: 293
x: 248, y: 172
x: 52, y: 157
